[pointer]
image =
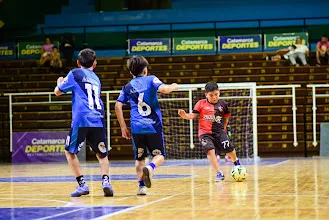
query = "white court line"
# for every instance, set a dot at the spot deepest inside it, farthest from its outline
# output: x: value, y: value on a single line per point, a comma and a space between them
x: 273, y: 165
x: 136, y: 207
x: 179, y: 164
x: 48, y: 200
x: 87, y: 207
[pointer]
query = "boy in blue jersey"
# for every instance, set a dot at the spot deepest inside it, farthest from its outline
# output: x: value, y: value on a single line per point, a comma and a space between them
x: 87, y: 119
x: 145, y: 118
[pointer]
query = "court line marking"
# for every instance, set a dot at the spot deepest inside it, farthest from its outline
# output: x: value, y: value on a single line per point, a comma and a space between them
x: 273, y: 165
x: 87, y: 207
x: 32, y: 199
x: 135, y: 207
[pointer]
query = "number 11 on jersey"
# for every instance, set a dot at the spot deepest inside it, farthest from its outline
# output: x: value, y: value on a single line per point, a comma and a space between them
x: 90, y: 89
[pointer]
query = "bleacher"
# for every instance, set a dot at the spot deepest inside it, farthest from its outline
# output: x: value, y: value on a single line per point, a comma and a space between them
x: 275, y: 131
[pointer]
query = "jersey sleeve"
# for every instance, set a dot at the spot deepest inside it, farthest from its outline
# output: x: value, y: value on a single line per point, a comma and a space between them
x: 123, y: 96
x: 156, y: 82
x: 197, y: 108
x: 68, y: 83
x: 226, y: 110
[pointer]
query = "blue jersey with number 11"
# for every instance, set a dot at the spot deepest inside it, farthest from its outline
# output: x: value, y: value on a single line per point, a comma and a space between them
x: 87, y: 106
x: 145, y: 114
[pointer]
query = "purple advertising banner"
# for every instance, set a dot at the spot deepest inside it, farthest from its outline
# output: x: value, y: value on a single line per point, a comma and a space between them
x: 38, y: 147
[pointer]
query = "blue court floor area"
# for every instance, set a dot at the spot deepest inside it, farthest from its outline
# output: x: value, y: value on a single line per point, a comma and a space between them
x: 69, y: 213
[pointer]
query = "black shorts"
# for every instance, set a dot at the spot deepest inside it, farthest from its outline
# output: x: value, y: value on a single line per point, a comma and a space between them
x: 95, y: 137
x: 220, y: 142
x: 145, y: 144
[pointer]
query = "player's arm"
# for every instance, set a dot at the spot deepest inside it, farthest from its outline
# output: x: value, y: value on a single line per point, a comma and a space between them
x: 118, y: 110
x: 227, y: 114
x: 166, y: 89
x: 188, y: 116
x: 56, y: 90
x: 65, y: 85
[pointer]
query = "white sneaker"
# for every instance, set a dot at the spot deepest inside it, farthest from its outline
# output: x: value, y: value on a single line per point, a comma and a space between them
x: 141, y: 191
x: 147, y: 175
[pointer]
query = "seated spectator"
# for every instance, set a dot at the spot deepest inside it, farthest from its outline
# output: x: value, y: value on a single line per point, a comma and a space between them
x: 298, y: 50
x: 46, y: 52
x: 301, y: 51
x: 56, y: 61
x: 322, y: 51
x: 285, y: 56
x: 67, y: 48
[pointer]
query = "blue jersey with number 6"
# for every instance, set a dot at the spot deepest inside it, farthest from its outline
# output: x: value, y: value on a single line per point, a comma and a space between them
x: 145, y: 114
x: 87, y: 106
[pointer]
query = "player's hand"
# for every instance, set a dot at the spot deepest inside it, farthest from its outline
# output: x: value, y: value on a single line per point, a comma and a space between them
x: 60, y: 80
x: 126, y: 133
x: 181, y: 112
x: 174, y: 86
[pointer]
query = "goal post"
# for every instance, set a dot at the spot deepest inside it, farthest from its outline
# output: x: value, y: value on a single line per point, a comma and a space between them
x: 181, y: 135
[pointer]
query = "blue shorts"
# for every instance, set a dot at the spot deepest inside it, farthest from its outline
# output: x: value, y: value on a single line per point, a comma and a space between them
x: 95, y: 138
x: 145, y: 144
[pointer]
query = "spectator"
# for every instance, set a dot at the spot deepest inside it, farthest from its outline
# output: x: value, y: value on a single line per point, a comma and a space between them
x: 56, y: 61
x: 297, y: 50
x: 290, y: 50
x: 67, y: 48
x: 46, y: 52
x: 322, y: 51
x: 301, y: 51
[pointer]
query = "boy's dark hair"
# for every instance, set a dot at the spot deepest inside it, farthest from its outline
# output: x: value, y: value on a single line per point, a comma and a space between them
x: 87, y: 57
x: 54, y: 47
x: 136, y: 65
x: 211, y: 86
x: 325, y: 35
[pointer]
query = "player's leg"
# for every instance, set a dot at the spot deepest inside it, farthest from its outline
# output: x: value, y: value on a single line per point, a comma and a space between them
x: 140, y: 153
x: 225, y: 145
x: 96, y: 138
x: 207, y: 143
x: 74, y: 142
x: 155, y: 145
x: 292, y: 59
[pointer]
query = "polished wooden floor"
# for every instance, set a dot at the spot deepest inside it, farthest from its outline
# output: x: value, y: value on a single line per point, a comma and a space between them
x: 275, y: 189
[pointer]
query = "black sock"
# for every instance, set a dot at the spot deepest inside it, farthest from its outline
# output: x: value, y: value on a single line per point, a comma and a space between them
x: 81, y: 180
x: 106, y: 177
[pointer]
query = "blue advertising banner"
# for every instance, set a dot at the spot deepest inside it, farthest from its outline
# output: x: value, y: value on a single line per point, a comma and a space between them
x: 7, y: 51
x: 245, y: 43
x: 149, y: 46
x: 38, y: 147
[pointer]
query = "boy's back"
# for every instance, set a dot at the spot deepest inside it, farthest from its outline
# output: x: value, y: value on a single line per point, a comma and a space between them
x: 145, y: 114
x: 87, y: 106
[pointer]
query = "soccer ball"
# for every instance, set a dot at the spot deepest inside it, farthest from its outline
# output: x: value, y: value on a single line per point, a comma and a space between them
x: 239, y: 173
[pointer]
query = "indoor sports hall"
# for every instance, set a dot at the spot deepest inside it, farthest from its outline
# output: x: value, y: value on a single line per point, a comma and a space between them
x: 271, y: 69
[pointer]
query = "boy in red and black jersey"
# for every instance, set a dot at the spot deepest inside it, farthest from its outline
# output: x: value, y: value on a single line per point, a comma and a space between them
x: 214, y: 114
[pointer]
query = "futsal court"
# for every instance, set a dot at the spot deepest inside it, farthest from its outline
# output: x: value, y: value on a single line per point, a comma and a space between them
x: 181, y: 189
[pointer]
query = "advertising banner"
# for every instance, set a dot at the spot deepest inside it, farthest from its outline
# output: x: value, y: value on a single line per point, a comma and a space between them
x: 149, y: 46
x: 283, y: 40
x: 7, y: 51
x: 236, y: 44
x: 31, y: 50
x: 194, y: 45
x: 36, y: 147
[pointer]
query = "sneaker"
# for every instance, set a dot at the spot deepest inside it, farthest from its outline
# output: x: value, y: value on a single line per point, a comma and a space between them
x: 107, y: 188
x: 80, y: 190
x: 219, y: 177
x: 141, y: 191
x: 147, y: 175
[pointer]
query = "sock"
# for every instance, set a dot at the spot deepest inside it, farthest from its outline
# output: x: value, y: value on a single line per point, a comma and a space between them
x: 81, y: 181
x: 237, y: 162
x: 106, y: 177
x: 152, y: 165
x: 141, y: 183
